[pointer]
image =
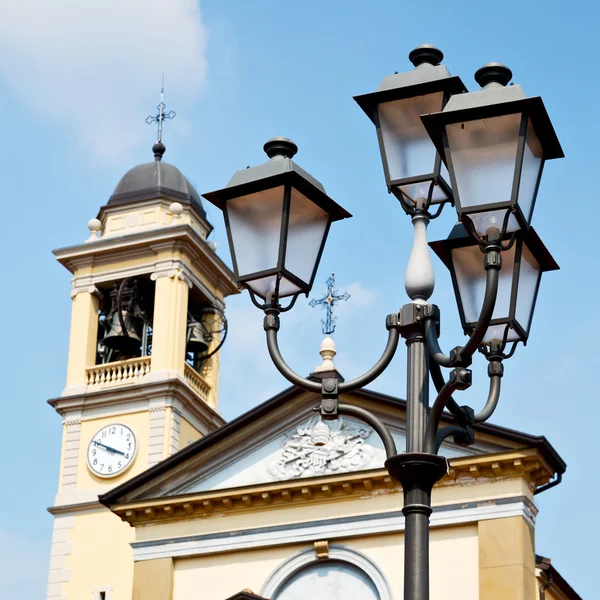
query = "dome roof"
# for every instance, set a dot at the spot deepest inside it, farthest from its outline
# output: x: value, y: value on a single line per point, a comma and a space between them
x: 153, y: 179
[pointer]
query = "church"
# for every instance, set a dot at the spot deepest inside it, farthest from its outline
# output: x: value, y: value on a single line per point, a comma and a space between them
x: 160, y: 499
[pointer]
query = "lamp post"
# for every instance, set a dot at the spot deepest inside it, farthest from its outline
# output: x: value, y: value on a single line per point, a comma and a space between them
x: 494, y: 143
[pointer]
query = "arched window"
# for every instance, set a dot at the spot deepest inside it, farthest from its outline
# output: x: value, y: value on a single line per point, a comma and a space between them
x: 347, y: 573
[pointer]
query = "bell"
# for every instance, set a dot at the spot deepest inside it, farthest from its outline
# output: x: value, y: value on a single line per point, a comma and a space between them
x: 115, y: 339
x: 198, y: 338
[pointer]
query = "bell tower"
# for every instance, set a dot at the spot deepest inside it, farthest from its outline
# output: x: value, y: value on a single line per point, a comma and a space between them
x: 148, y: 320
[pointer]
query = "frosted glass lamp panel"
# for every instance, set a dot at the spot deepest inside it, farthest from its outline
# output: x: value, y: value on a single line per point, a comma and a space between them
x: 421, y: 190
x: 470, y: 277
x: 484, y: 154
x: 307, y: 226
x: 267, y: 284
x: 328, y: 580
x: 444, y: 174
x: 529, y: 277
x: 530, y: 171
x: 255, y: 226
x: 408, y: 149
x: 497, y: 332
x: 493, y: 218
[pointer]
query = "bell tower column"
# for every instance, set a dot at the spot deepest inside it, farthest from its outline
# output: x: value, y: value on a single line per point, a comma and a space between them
x: 83, y: 336
x: 170, y: 321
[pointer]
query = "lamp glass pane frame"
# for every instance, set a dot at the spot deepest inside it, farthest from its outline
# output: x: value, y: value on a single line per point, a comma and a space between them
x: 370, y: 104
x: 394, y: 185
x: 534, y: 247
x: 529, y: 108
x: 290, y: 284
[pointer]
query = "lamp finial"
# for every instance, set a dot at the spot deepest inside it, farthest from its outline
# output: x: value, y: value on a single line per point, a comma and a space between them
x: 426, y: 54
x: 280, y: 147
x: 493, y: 72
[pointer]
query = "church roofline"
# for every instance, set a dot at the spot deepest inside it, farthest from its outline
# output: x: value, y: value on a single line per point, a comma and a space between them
x: 465, y: 470
x: 554, y: 579
x: 540, y: 443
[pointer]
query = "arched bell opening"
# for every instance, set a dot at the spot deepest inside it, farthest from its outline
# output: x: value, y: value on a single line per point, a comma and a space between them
x: 206, y: 330
x: 125, y: 320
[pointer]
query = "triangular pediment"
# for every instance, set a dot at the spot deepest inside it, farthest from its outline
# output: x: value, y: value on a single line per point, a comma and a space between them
x: 283, y: 440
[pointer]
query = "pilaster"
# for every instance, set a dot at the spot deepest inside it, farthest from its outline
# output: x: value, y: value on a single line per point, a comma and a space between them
x: 153, y: 579
x: 84, y: 335
x: 170, y: 321
x: 506, y: 559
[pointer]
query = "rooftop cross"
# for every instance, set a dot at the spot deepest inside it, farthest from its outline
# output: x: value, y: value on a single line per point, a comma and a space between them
x: 328, y: 302
x: 161, y: 115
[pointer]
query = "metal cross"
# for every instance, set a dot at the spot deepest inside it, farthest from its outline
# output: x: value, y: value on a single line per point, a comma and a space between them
x: 328, y: 302
x: 161, y: 115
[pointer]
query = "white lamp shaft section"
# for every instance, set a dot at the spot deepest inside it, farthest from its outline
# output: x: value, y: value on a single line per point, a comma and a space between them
x: 420, y: 280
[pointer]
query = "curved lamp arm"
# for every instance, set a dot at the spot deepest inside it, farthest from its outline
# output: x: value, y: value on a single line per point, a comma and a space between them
x: 282, y: 366
x: 271, y: 326
x: 433, y: 345
x: 495, y: 372
x: 445, y: 432
x: 438, y: 381
x: 493, y: 264
x: 374, y: 422
x: 459, y: 379
x: 378, y: 368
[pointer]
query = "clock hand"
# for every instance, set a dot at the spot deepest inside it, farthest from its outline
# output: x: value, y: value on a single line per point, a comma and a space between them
x: 113, y: 450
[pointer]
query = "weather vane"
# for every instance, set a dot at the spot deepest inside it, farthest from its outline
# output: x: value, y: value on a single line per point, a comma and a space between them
x: 161, y: 115
x: 328, y: 302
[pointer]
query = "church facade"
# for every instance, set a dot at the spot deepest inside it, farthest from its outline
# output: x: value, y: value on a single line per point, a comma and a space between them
x: 160, y: 499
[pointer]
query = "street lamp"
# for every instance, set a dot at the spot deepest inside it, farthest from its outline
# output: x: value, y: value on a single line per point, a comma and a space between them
x: 412, y: 166
x: 277, y: 218
x: 518, y: 284
x: 495, y: 142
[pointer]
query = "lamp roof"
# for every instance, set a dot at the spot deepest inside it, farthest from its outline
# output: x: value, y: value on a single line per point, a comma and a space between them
x: 428, y: 76
x: 496, y: 98
x: 278, y: 170
x: 459, y: 238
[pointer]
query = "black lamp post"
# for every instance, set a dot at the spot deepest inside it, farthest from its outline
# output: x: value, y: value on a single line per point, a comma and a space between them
x: 495, y: 142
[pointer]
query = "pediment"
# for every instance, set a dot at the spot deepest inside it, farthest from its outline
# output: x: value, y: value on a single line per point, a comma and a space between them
x: 289, y: 442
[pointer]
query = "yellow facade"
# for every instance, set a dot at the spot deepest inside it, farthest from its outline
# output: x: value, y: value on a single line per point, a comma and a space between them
x: 163, y: 400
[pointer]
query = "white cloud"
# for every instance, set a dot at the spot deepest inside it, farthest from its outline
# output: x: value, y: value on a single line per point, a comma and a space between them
x: 94, y: 66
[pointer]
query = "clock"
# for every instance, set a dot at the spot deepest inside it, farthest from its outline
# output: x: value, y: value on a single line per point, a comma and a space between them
x: 111, y: 450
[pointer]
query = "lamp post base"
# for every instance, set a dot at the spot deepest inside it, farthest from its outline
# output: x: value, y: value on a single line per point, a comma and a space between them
x: 417, y: 472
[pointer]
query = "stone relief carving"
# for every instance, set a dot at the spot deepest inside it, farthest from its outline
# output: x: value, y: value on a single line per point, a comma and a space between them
x: 323, y: 448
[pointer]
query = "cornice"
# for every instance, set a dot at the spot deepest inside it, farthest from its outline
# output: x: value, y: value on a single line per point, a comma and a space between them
x: 142, y: 394
x: 208, y: 263
x: 527, y: 464
x: 82, y: 507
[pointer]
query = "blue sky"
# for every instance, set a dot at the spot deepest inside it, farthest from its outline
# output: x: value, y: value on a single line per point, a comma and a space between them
x: 76, y: 83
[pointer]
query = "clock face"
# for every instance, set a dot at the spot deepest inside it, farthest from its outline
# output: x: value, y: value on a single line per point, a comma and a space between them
x: 111, y: 450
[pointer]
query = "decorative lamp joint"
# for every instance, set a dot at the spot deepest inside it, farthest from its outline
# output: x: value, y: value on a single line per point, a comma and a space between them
x: 392, y: 322
x: 495, y: 368
x: 466, y: 416
x: 466, y: 437
x: 492, y: 259
x: 330, y: 388
x: 457, y: 359
x: 430, y: 311
x: 271, y: 322
x: 411, y: 319
x: 461, y: 378
x: 329, y: 409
